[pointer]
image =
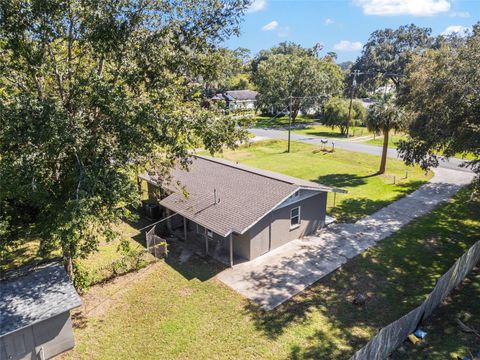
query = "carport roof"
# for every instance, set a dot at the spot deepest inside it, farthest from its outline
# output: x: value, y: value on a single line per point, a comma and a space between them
x: 32, y: 295
x: 226, y: 197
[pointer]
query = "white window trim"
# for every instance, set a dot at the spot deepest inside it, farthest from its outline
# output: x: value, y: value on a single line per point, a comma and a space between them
x: 299, y: 217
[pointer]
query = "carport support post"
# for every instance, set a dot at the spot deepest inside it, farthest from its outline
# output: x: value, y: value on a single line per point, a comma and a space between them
x: 231, y: 250
x: 185, y: 229
x: 206, y: 241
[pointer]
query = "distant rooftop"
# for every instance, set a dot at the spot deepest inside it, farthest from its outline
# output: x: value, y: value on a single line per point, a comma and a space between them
x: 244, y: 194
x: 28, y: 297
x: 238, y: 95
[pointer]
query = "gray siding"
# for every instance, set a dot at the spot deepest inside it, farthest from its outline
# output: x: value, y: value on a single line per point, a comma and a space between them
x: 274, y: 229
x: 52, y: 337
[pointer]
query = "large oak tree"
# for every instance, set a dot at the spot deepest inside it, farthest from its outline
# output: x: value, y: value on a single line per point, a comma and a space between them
x: 442, y: 92
x: 296, y: 80
x: 92, y: 91
x: 387, y: 53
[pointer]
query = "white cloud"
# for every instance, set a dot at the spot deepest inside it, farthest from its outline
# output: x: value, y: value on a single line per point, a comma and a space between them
x: 257, y: 5
x: 404, y: 7
x: 456, y: 29
x: 329, y: 21
x: 272, y: 25
x: 346, y: 45
x: 461, y: 14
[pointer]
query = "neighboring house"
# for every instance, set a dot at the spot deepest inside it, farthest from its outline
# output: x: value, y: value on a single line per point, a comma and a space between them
x: 35, y: 306
x: 235, y: 212
x: 367, y: 102
x: 238, y: 99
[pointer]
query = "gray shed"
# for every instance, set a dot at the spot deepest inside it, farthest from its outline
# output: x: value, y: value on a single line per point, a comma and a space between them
x: 35, y: 306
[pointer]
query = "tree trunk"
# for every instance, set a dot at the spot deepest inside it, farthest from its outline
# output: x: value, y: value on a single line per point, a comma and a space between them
x: 69, y: 266
x: 383, y: 161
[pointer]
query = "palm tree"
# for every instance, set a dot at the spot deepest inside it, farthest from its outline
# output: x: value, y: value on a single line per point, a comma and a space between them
x: 384, y: 117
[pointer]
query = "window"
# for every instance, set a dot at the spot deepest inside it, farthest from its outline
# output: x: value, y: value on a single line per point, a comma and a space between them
x: 295, y: 217
x: 210, y: 234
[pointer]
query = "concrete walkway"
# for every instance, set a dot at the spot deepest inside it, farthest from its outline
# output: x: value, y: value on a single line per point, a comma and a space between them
x: 280, y: 274
x: 452, y: 163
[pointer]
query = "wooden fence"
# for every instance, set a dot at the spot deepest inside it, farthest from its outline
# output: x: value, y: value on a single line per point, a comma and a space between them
x: 392, y: 336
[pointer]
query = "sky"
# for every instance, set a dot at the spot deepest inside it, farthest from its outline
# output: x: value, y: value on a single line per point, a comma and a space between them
x: 344, y: 26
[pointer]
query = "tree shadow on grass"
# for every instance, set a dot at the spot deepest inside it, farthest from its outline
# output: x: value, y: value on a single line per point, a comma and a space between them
x: 328, y: 134
x: 351, y: 210
x: 343, y: 180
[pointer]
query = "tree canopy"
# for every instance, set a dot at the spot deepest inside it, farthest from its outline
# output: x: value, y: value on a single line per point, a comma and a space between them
x: 388, y: 52
x: 336, y: 113
x: 441, y: 91
x: 298, y: 78
x: 90, y: 93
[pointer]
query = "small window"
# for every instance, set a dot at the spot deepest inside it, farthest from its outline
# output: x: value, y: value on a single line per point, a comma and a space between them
x: 295, y: 217
x: 210, y: 234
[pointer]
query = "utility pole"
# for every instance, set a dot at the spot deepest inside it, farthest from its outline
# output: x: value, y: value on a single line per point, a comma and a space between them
x: 289, y: 121
x: 354, y: 84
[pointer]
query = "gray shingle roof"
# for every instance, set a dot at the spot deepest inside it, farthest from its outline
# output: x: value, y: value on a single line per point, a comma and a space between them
x: 241, y: 94
x: 244, y: 194
x: 34, y: 296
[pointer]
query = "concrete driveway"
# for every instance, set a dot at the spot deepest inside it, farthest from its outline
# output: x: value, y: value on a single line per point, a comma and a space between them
x: 278, y: 275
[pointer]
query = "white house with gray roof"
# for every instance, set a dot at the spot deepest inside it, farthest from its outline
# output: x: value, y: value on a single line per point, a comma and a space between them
x: 238, y: 212
x: 35, y: 306
x: 238, y: 99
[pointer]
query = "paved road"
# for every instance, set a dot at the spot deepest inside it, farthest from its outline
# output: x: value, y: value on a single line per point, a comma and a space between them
x: 453, y: 163
x: 275, y: 277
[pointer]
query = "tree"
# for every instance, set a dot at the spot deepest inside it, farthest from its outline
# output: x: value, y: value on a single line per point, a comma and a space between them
x: 387, y: 53
x: 384, y: 117
x: 296, y: 81
x: 335, y: 114
x: 359, y: 111
x: 283, y: 48
x: 233, y: 71
x: 91, y: 92
x: 441, y: 90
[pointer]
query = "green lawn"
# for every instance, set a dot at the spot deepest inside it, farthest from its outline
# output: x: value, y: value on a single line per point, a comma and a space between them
x: 392, y: 140
x: 355, y: 172
x: 327, y: 131
x: 280, y: 121
x: 445, y: 339
x: 171, y: 310
x: 98, y: 264
x: 315, y: 130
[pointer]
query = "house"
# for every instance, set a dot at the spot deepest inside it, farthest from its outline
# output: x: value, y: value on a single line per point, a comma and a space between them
x: 236, y: 212
x: 35, y: 306
x: 238, y: 99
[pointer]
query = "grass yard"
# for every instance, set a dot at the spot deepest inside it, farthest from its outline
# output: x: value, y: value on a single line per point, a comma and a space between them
x: 171, y: 310
x: 445, y: 339
x: 327, y: 131
x: 392, y: 140
x: 265, y: 122
x: 355, y: 172
x: 98, y: 265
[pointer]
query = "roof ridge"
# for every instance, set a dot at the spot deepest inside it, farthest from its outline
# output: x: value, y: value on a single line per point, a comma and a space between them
x: 246, y: 168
